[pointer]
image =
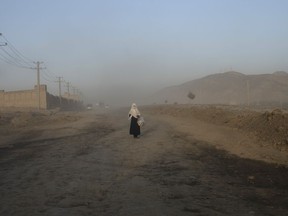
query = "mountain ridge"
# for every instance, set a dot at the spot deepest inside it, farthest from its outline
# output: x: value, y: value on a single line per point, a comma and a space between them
x: 231, y: 87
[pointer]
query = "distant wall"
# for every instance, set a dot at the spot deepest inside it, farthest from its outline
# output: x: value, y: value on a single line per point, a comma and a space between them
x: 64, y: 103
x: 24, y: 98
x: 30, y: 99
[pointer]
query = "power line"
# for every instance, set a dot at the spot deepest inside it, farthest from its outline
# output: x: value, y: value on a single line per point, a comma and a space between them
x: 12, y: 56
x: 47, y: 69
x: 12, y: 60
x: 15, y: 51
x: 8, y: 61
x: 45, y: 78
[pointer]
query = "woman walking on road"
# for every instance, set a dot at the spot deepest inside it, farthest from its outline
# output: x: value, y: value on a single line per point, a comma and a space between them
x: 134, y: 114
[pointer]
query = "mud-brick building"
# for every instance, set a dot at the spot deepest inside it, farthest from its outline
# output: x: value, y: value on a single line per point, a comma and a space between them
x: 35, y: 99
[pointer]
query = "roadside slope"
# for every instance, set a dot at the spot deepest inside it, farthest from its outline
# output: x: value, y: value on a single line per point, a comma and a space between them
x: 245, y: 133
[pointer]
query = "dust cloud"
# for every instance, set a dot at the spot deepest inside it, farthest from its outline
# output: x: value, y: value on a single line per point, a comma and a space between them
x: 117, y: 96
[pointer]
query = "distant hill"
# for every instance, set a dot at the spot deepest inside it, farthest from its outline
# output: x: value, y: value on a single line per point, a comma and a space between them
x: 231, y: 88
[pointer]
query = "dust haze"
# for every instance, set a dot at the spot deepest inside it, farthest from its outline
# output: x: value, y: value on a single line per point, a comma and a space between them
x: 128, y: 79
x: 117, y: 96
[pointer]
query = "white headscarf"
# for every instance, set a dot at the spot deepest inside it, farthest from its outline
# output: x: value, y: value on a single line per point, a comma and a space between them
x: 134, y: 111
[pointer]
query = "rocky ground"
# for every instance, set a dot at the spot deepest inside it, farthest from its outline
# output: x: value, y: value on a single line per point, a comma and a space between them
x: 189, y: 160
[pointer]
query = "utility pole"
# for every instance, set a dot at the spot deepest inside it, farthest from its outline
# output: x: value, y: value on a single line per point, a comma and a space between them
x: 74, y: 92
x: 59, y: 82
x: 38, y: 68
x: 68, y: 88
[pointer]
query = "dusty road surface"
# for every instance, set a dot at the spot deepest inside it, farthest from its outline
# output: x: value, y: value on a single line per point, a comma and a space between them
x: 87, y: 164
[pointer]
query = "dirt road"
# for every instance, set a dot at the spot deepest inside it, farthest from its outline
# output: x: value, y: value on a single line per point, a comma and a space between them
x: 91, y: 166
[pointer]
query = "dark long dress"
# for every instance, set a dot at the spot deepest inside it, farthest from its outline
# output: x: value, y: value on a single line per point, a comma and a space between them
x: 134, y: 127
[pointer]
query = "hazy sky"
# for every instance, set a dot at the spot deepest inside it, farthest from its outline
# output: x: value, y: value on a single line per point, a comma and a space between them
x: 134, y: 45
